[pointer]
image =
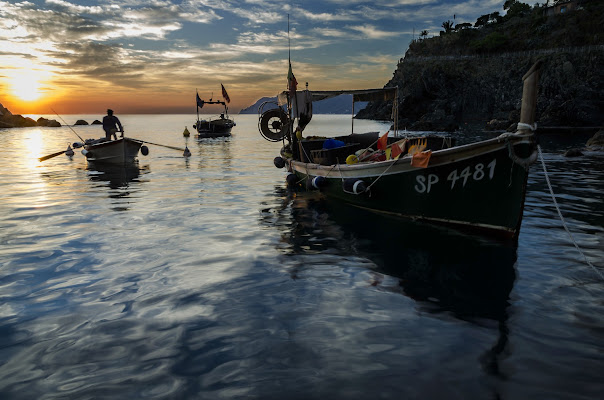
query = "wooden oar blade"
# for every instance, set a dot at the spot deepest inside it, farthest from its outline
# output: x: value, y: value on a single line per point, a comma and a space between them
x: 51, y: 155
x: 161, y: 145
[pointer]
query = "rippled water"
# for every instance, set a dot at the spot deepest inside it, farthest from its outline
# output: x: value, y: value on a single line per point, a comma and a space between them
x: 206, y: 278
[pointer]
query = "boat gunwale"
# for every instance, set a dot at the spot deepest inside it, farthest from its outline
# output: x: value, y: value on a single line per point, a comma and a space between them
x: 403, y: 164
x: 122, y: 158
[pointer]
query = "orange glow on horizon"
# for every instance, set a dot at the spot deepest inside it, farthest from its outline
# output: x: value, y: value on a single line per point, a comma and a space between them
x: 89, y: 102
x: 30, y: 91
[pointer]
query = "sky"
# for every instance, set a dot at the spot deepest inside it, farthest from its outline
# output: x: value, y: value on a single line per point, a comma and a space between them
x: 138, y: 57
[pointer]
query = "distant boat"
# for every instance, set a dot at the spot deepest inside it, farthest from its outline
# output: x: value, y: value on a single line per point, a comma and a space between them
x: 215, y: 126
x: 479, y: 186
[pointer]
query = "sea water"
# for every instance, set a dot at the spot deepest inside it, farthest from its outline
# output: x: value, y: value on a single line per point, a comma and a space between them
x: 206, y: 278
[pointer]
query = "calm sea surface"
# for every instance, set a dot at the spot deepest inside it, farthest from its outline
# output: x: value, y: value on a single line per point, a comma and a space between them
x: 204, y: 278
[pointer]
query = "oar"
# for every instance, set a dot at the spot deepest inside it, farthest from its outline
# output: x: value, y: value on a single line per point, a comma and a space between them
x: 51, y: 155
x: 68, y: 152
x: 162, y: 145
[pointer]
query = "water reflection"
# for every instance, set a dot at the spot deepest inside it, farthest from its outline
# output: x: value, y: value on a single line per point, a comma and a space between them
x: 214, y: 151
x: 122, y: 181
x: 117, y: 176
x: 447, y: 273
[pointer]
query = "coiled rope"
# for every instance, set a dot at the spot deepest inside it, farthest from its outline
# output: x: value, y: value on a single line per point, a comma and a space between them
x: 562, y: 218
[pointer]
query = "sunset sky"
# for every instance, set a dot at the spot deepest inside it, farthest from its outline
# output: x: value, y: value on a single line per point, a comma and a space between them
x: 150, y: 56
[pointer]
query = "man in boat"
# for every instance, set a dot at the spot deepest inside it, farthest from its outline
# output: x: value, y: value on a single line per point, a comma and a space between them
x: 111, y: 124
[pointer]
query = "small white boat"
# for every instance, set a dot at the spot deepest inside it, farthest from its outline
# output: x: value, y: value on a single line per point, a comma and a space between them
x: 120, y: 151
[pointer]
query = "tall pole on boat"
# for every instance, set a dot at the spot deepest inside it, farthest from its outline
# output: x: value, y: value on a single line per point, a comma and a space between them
x: 289, y: 103
x: 395, y: 105
x: 352, y: 119
x: 529, y: 99
x: 291, y: 85
x: 197, y: 108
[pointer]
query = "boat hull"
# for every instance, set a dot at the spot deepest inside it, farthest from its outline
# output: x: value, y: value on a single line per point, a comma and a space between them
x: 480, y: 186
x: 214, y: 128
x: 120, y: 151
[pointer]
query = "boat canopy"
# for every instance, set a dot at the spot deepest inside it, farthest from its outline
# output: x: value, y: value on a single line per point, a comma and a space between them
x: 384, y: 94
x: 214, y: 102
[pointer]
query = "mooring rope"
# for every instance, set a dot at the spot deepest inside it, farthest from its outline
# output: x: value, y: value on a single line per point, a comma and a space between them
x: 382, y: 174
x: 562, y: 218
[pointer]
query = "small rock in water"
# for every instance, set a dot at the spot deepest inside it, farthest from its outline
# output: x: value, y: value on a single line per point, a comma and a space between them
x: 573, y: 153
x: 597, y: 141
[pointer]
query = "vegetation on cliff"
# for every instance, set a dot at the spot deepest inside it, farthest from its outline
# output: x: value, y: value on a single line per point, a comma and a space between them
x: 473, y: 74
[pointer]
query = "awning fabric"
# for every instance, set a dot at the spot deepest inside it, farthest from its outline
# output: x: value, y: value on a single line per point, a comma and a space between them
x: 387, y: 93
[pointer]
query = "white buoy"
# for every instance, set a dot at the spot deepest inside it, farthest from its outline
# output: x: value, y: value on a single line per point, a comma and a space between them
x: 187, y: 153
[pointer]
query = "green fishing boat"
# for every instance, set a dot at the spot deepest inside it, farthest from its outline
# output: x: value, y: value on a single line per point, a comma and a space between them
x: 479, y: 186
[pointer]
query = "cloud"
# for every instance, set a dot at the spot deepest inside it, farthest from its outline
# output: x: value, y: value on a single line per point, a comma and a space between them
x: 371, y: 32
x: 155, y: 45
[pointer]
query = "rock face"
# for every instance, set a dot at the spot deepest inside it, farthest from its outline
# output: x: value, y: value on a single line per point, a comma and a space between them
x: 17, y: 121
x: 47, y: 122
x: 596, y: 142
x: 448, y: 94
x: 9, y: 120
x: 474, y: 76
x: 96, y: 122
x: 81, y: 122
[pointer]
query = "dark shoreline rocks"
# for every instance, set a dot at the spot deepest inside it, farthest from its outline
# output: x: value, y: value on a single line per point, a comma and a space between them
x: 48, y: 122
x: 10, y: 120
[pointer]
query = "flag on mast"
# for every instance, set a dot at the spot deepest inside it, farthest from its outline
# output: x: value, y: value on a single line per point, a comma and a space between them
x: 382, y: 142
x: 200, y: 102
x: 292, y: 83
x: 225, y: 94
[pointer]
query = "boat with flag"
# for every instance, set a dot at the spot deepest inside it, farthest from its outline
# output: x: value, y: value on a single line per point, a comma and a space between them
x: 479, y: 186
x: 214, y: 126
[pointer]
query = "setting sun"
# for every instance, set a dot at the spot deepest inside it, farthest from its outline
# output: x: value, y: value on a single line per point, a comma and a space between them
x: 26, y: 87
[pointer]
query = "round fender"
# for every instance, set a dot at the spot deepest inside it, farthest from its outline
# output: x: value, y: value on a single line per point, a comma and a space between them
x: 291, y: 179
x: 279, y: 162
x: 144, y: 150
x: 354, y: 186
x: 318, y: 182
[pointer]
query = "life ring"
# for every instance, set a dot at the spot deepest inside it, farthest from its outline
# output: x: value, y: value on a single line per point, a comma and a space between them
x: 523, y: 162
x: 273, y: 124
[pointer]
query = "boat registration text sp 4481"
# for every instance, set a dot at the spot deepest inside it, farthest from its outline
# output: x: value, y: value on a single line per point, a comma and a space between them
x: 477, y: 172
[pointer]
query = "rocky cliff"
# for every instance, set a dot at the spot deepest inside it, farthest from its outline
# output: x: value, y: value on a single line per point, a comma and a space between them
x: 10, y: 120
x: 447, y: 82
